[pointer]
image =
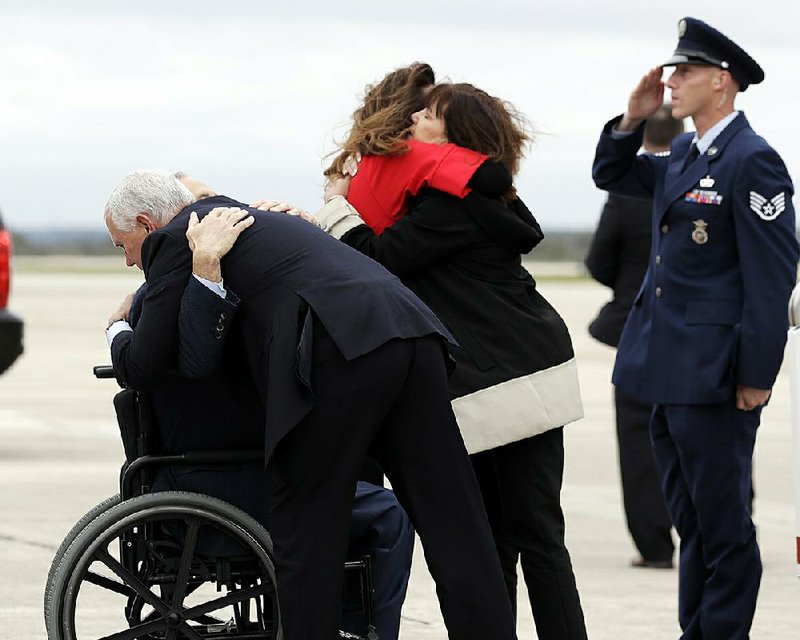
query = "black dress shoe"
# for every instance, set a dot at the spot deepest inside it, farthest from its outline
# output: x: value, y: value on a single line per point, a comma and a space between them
x: 642, y: 563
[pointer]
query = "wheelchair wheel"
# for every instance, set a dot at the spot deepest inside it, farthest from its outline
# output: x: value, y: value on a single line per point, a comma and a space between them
x: 150, y: 568
x: 79, y: 526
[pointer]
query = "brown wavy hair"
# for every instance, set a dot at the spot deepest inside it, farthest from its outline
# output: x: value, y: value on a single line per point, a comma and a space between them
x: 380, y: 125
x: 478, y: 121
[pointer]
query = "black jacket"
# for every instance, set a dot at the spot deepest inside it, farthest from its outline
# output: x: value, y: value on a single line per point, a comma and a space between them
x: 618, y: 258
x: 463, y: 258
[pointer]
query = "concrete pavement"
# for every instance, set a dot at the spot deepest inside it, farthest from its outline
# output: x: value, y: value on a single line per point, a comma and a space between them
x: 60, y: 455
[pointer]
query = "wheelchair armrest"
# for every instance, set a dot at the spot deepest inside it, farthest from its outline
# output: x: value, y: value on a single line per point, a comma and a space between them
x: 102, y: 371
x: 232, y: 456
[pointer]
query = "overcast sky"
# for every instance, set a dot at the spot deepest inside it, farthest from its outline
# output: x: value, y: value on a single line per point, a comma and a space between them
x: 250, y: 95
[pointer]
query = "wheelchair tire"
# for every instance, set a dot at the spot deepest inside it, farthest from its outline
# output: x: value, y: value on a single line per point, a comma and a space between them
x: 168, y: 561
x: 79, y: 526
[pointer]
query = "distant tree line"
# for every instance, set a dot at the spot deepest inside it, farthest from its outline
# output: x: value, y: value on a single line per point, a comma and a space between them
x: 568, y: 246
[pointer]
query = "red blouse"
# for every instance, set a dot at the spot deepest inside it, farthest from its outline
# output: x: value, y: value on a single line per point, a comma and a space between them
x: 381, y: 188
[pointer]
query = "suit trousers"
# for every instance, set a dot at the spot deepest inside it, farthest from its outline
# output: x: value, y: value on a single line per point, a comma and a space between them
x: 704, y: 454
x: 392, y: 404
x: 381, y: 529
x: 521, y: 487
x: 645, y: 509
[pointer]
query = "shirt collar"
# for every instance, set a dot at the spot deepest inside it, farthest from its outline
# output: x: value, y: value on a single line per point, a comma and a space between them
x: 708, y: 139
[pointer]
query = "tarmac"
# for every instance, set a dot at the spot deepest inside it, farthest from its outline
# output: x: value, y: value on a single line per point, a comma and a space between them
x: 60, y: 454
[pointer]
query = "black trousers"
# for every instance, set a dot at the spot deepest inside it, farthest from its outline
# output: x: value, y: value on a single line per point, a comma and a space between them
x: 521, y: 487
x: 645, y: 509
x: 393, y: 404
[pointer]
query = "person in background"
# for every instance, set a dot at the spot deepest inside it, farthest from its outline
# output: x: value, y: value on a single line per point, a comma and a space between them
x: 705, y: 337
x: 618, y: 257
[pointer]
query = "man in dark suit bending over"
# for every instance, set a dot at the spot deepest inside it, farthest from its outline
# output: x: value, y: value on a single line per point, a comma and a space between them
x: 346, y: 361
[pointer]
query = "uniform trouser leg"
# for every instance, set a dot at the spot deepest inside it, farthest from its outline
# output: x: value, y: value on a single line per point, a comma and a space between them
x: 522, y: 491
x: 704, y: 453
x: 646, y: 512
x: 381, y: 529
x: 395, y: 399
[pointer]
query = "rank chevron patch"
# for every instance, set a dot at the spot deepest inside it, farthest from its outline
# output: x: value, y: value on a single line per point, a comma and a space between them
x: 767, y: 209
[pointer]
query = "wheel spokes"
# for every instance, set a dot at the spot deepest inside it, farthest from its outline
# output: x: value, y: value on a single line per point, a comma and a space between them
x: 186, y: 563
x: 167, y: 576
x: 231, y: 598
x: 108, y: 584
x: 132, y: 581
x: 138, y: 631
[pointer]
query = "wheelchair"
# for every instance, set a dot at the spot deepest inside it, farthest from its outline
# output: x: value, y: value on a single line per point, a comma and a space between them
x: 175, y: 564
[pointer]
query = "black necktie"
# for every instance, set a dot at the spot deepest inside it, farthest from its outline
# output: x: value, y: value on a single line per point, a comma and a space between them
x: 693, y: 154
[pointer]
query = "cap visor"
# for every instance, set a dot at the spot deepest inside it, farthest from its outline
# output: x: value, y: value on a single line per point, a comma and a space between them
x: 676, y: 58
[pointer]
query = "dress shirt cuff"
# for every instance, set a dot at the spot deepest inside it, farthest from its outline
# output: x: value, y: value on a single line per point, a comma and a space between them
x: 115, y: 329
x: 619, y: 135
x: 338, y: 217
x: 216, y: 287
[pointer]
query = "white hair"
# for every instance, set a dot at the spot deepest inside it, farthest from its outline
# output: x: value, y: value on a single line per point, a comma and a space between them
x: 157, y: 193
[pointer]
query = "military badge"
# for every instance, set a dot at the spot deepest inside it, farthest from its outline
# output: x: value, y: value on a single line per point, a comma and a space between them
x: 767, y: 209
x: 700, y: 235
x: 703, y: 196
x: 712, y: 151
x: 707, y: 182
x: 682, y: 28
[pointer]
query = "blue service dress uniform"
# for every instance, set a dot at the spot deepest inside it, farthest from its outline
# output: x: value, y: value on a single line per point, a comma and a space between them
x: 710, y: 315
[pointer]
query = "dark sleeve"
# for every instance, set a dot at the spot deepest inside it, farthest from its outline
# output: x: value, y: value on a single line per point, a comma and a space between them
x: 435, y: 227
x: 203, y: 326
x: 143, y: 357
x: 493, y: 216
x: 617, y: 167
x: 491, y: 179
x: 768, y: 252
x: 602, y: 259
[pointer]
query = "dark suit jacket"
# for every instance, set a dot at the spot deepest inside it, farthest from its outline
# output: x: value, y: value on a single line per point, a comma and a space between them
x: 711, y: 313
x: 617, y: 258
x: 219, y: 412
x: 289, y: 275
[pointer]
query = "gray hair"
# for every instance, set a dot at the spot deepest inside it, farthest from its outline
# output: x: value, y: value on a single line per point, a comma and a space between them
x: 157, y: 193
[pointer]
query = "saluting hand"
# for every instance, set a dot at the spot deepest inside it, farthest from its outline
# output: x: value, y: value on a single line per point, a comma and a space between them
x: 645, y: 100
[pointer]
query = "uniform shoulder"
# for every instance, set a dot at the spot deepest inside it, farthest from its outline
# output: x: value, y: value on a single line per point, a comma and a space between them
x: 753, y: 142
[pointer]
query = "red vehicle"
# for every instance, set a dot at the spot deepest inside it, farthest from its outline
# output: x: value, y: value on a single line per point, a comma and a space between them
x: 10, y: 325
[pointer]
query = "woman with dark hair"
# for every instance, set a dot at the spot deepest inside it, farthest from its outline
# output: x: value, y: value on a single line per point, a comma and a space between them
x: 515, y: 384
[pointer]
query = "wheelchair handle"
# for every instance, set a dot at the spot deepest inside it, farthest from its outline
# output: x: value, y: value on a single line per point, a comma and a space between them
x: 103, y: 371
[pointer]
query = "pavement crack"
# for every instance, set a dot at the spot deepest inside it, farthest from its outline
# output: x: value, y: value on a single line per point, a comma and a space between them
x: 29, y: 543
